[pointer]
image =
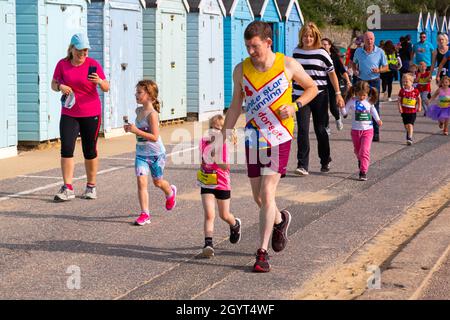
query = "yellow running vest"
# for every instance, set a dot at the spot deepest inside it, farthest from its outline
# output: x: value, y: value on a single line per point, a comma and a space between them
x: 265, y: 93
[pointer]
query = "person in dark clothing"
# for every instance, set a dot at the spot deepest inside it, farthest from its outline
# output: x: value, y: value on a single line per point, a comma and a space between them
x: 405, y: 55
x: 394, y: 64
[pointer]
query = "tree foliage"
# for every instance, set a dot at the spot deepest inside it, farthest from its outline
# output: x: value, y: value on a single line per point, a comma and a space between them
x: 353, y: 13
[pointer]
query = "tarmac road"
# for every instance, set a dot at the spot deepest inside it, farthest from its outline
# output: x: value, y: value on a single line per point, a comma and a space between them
x: 44, y: 244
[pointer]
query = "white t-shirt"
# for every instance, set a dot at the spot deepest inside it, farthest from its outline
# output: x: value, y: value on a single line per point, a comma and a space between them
x: 362, y: 113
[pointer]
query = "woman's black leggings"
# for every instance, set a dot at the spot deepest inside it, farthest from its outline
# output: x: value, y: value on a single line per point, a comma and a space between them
x: 387, y: 80
x: 318, y: 107
x: 88, y: 128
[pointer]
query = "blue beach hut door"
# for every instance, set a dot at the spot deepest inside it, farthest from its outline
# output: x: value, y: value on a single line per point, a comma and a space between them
x: 125, y: 30
x: 63, y: 21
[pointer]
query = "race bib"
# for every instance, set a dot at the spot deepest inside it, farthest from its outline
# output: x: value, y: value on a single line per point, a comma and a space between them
x: 208, y: 179
x: 363, y: 116
x: 423, y: 81
x: 444, y: 102
x: 409, y: 103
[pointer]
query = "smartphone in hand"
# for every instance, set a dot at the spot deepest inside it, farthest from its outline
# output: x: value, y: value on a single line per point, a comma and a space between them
x: 92, y: 69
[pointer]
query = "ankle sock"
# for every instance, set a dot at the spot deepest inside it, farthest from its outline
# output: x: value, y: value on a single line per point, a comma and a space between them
x: 90, y: 185
x: 208, y: 242
x: 69, y: 186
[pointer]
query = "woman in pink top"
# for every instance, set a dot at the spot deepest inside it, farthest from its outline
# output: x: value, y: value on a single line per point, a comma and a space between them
x: 214, y: 180
x: 77, y: 77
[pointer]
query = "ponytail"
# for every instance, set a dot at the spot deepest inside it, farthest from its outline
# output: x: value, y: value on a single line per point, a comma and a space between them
x: 373, y: 95
x: 157, y: 105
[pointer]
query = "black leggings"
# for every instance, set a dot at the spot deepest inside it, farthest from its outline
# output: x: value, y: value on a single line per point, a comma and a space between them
x: 88, y: 128
x: 334, y: 109
x: 386, y: 81
x: 319, y: 109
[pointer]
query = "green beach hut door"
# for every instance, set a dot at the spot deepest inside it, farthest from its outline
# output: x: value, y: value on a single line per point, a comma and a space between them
x: 63, y: 21
x: 172, y: 87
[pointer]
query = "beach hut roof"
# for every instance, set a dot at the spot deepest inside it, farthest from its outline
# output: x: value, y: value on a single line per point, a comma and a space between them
x: 230, y: 6
x: 259, y: 7
x: 155, y: 3
x: 194, y: 5
x: 286, y: 7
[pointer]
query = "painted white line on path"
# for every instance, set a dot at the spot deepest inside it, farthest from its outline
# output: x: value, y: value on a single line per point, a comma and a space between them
x: 39, y: 177
x: 52, y: 185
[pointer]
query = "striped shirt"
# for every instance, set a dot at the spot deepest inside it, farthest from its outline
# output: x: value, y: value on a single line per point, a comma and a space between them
x: 317, y: 63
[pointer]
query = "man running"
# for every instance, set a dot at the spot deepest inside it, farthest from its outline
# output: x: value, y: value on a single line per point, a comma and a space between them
x: 264, y: 80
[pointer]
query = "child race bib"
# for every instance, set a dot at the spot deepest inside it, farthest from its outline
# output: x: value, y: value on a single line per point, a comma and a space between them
x: 409, y: 103
x: 207, y: 179
x: 444, y: 102
x: 363, y: 116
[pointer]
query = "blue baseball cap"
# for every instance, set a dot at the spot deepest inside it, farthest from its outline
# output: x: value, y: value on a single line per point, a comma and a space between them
x: 80, y: 41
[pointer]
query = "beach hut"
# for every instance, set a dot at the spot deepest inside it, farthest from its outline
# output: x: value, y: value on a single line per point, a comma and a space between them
x: 268, y: 11
x: 238, y: 16
x: 394, y: 26
x: 443, y: 25
x: 44, y: 30
x: 428, y: 28
x: 165, y: 54
x: 434, y: 29
x: 8, y: 88
x: 205, y: 80
x: 293, y: 22
x: 115, y: 34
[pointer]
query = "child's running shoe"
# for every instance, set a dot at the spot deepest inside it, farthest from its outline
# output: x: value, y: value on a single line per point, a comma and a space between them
x: 143, y: 219
x: 235, y: 232
x: 208, y: 251
x: 171, y: 202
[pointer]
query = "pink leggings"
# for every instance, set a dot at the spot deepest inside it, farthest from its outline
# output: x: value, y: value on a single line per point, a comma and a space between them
x: 362, y: 141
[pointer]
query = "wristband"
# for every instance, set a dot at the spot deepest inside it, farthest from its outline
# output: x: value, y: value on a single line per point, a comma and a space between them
x: 299, y: 105
x: 338, y: 92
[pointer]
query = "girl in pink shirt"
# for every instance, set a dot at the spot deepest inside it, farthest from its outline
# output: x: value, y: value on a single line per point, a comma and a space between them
x: 214, y: 180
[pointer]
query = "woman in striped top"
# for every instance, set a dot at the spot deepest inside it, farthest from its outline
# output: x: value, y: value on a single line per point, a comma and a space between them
x: 317, y: 63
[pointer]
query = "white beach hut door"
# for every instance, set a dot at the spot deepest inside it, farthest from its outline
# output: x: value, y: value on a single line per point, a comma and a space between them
x: 63, y: 21
x: 3, y: 79
x: 216, y: 72
x: 124, y: 73
x: 173, y: 67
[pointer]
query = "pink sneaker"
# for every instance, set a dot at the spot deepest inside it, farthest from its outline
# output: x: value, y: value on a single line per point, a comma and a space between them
x: 172, y: 202
x: 143, y: 219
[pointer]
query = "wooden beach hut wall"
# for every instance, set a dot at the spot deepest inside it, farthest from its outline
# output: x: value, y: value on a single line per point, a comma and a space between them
x: 394, y: 26
x: 44, y: 30
x: 239, y: 15
x: 205, y: 81
x: 293, y: 22
x: 115, y: 35
x: 268, y: 11
x: 8, y: 87
x: 165, y: 54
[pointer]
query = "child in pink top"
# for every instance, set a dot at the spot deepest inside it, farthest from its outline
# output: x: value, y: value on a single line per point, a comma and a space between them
x: 441, y: 110
x: 214, y: 180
